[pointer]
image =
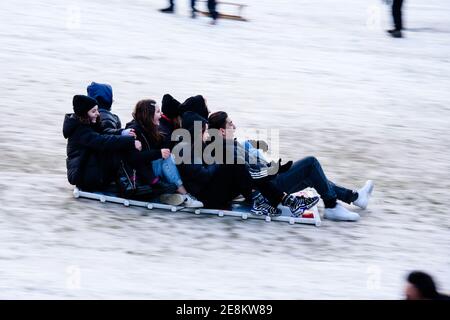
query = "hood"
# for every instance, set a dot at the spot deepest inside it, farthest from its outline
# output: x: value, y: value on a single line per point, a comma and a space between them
x: 195, y: 104
x: 71, y: 123
x: 169, y: 106
x: 102, y: 93
x: 189, y: 119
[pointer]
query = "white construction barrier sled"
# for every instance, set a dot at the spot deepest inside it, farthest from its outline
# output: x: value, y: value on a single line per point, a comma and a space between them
x: 309, y: 217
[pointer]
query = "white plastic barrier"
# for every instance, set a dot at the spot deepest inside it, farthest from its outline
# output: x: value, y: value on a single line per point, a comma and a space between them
x: 238, y: 210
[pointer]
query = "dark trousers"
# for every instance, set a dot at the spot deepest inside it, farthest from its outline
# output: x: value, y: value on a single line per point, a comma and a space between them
x: 309, y: 173
x: 212, y: 9
x: 171, y: 2
x: 397, y: 14
x: 231, y: 180
x: 142, y: 162
x: 102, y: 168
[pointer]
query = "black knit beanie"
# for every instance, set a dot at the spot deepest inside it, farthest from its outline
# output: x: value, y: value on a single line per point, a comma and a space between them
x: 82, y: 104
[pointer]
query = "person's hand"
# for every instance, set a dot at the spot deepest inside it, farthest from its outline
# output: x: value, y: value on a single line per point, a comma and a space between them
x: 165, y: 153
x: 128, y: 132
x: 138, y: 145
x: 132, y: 133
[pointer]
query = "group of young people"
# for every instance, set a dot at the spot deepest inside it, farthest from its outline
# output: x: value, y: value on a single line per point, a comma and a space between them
x: 183, y: 151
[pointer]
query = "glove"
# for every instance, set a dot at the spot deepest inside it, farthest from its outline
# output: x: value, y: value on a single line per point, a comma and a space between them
x: 277, y: 167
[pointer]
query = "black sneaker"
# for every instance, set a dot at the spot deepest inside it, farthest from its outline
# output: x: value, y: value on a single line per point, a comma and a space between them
x: 262, y: 207
x: 170, y: 9
x: 298, y: 204
x: 395, y: 33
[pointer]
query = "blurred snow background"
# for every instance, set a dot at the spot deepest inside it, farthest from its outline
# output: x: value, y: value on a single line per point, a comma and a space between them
x: 323, y: 72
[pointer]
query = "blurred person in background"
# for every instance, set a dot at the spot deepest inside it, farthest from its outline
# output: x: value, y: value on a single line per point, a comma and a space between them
x: 398, y: 20
x: 212, y: 11
x: 171, y: 8
x: 421, y: 286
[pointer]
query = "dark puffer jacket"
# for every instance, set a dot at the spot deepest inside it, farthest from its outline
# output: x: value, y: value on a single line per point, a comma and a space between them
x: 110, y: 122
x: 85, y: 149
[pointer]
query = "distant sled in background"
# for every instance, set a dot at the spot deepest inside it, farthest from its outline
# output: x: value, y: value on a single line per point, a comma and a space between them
x: 228, y: 13
x: 238, y: 209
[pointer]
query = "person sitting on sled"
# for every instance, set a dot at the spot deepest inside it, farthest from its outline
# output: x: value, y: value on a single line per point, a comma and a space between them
x: 170, y: 118
x: 146, y: 125
x: 305, y: 173
x: 173, y: 110
x: 93, y: 157
x: 217, y: 183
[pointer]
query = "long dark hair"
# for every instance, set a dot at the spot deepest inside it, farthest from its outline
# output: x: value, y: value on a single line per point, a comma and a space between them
x: 144, y: 113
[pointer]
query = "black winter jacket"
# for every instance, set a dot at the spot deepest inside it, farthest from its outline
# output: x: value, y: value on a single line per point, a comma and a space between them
x: 166, y: 127
x: 110, y: 122
x: 84, y: 143
x: 197, y: 174
x: 154, y: 150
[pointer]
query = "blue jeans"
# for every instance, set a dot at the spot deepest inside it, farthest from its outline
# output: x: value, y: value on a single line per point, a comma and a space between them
x: 166, y: 168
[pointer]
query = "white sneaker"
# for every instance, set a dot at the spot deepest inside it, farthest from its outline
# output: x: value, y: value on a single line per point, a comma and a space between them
x: 174, y: 199
x: 191, y: 202
x: 339, y: 213
x: 364, y: 195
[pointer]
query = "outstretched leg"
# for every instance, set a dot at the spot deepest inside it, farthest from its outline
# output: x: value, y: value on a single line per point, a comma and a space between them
x: 308, y: 173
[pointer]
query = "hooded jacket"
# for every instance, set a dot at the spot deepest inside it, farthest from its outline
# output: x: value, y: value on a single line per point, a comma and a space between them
x: 195, y: 104
x: 167, y: 127
x: 110, y: 122
x: 167, y: 123
x: 84, y: 141
x: 170, y: 106
x: 196, y: 174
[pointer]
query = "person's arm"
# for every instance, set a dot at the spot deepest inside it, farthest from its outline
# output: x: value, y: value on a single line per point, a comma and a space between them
x: 109, y: 127
x: 200, y: 172
x: 151, y: 155
x: 105, y: 142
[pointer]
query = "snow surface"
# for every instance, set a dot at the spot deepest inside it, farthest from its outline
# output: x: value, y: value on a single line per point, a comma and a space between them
x: 322, y: 72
